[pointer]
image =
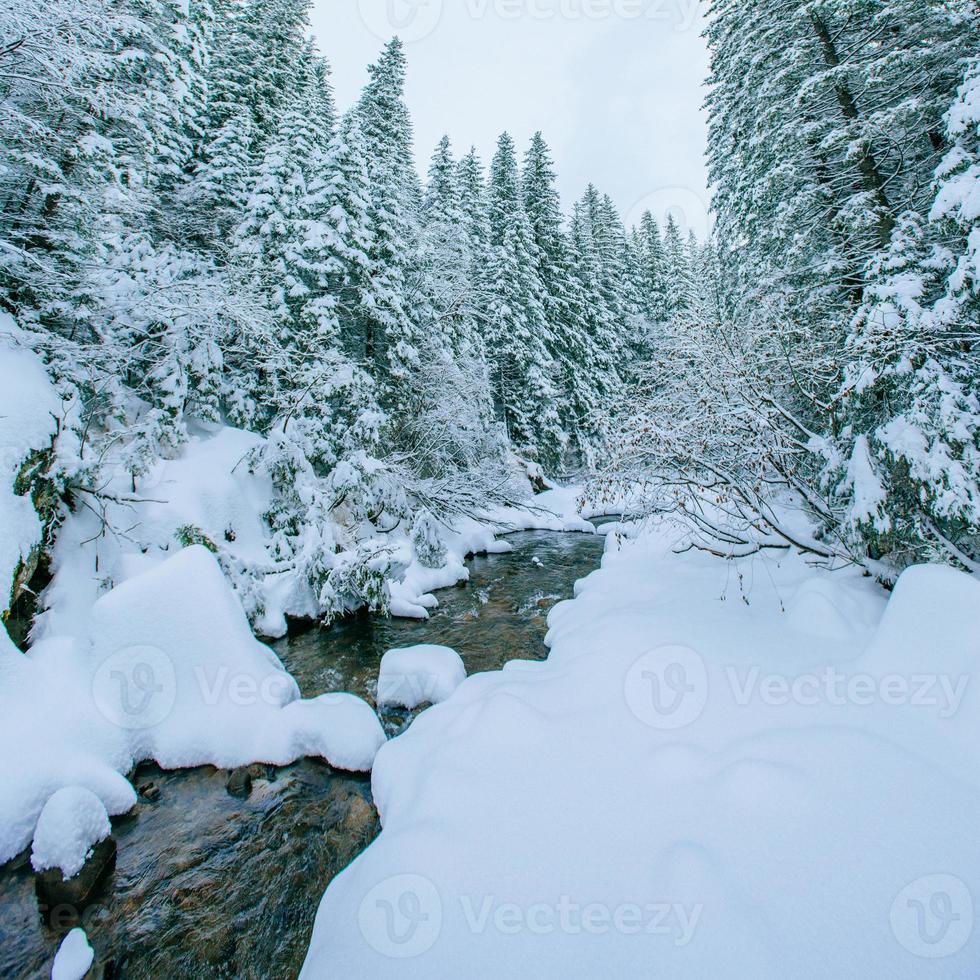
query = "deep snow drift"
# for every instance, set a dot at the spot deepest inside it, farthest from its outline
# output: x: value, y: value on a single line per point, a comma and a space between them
x: 724, y: 770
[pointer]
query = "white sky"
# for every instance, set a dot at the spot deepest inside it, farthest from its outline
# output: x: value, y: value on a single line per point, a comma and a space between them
x: 614, y: 85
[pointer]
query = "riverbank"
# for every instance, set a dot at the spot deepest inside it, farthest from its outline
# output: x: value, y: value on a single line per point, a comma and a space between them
x: 208, y: 883
x: 747, y: 768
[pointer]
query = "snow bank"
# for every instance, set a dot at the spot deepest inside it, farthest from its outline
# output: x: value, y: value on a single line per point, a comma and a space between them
x: 171, y: 672
x: 703, y: 780
x: 74, y: 957
x: 175, y: 664
x: 417, y: 675
x: 29, y: 410
x: 62, y: 739
x: 72, y: 822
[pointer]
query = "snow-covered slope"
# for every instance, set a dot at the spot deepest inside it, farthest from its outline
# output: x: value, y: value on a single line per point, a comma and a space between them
x: 29, y: 412
x: 723, y: 770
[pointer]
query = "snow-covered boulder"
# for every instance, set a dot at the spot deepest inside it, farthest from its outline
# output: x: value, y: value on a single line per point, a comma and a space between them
x: 340, y: 728
x: 417, y: 675
x: 72, y: 822
x: 74, y: 957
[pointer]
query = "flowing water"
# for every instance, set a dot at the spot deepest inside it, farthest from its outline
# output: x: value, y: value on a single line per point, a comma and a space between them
x: 207, y: 884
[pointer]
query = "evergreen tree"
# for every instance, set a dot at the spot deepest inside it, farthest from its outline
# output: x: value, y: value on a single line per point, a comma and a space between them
x: 653, y: 270
x: 677, y: 268
x: 392, y: 329
x: 517, y: 325
x: 585, y: 360
x: 259, y: 47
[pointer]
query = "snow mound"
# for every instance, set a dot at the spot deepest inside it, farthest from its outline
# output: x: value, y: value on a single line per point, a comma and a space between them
x: 74, y: 957
x: 690, y: 786
x: 930, y: 638
x: 933, y: 618
x: 341, y: 728
x: 176, y: 665
x: 825, y: 607
x: 72, y: 822
x: 62, y: 739
x: 417, y: 675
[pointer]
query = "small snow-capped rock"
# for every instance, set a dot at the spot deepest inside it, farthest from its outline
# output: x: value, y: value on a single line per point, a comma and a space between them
x: 415, y: 675
x: 72, y: 822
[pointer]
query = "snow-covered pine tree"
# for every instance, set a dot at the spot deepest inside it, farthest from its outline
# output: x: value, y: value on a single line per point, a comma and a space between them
x: 448, y: 260
x: 906, y: 466
x: 222, y: 184
x: 653, y: 270
x: 258, y: 47
x: 823, y: 360
x: 517, y: 326
x: 392, y: 330
x: 677, y: 268
x: 586, y: 376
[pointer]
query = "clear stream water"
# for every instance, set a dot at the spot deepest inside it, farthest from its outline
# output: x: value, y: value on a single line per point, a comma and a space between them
x: 207, y: 884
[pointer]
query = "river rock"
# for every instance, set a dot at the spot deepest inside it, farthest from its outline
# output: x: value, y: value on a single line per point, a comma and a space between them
x: 53, y: 889
x: 240, y: 780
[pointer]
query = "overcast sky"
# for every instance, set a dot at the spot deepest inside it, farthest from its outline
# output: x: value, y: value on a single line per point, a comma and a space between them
x: 614, y: 85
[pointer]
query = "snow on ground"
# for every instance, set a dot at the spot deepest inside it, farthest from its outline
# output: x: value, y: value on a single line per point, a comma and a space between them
x: 418, y: 675
x: 74, y: 957
x: 208, y: 490
x: 748, y: 769
x: 169, y: 671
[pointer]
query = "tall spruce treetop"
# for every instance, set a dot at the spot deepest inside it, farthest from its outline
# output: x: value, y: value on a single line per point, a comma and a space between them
x: 677, y: 268
x: 517, y: 327
x: 653, y: 270
x: 393, y: 330
x: 585, y: 358
x: 448, y: 254
x: 473, y: 201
